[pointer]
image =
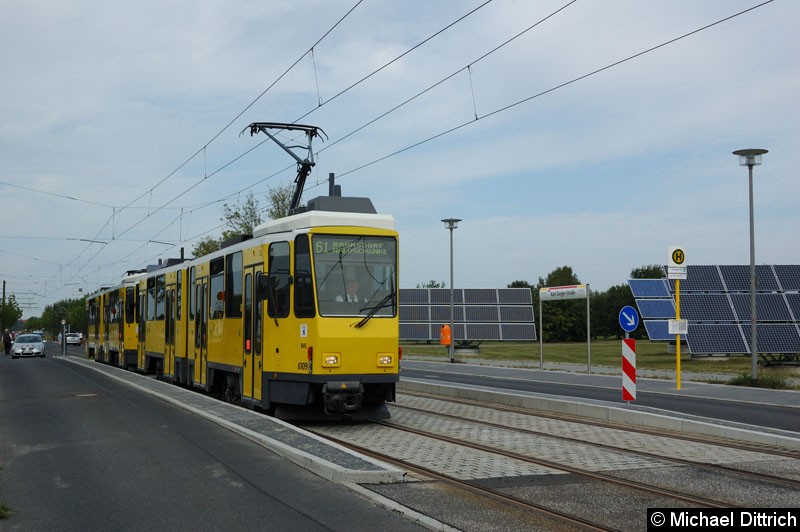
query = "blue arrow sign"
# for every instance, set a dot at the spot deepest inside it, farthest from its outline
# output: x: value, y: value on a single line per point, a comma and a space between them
x: 628, y: 318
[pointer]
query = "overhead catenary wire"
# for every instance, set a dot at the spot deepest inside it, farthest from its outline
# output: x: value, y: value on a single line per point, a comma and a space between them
x: 320, y: 104
x: 206, y: 176
x: 247, y: 107
x: 552, y: 89
x: 232, y: 121
x: 502, y: 109
x: 477, y: 116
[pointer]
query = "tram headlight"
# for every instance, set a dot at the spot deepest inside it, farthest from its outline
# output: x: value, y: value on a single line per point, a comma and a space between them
x: 330, y: 360
x: 385, y: 359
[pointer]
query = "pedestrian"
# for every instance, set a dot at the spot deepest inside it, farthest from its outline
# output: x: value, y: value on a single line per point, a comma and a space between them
x: 7, y: 340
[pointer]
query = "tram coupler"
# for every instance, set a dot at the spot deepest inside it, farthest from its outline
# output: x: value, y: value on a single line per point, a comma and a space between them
x: 342, y: 396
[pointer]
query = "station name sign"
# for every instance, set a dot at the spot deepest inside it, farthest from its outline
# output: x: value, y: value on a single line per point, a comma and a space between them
x: 557, y: 293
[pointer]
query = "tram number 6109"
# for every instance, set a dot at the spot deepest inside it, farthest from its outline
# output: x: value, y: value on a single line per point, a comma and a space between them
x: 302, y: 366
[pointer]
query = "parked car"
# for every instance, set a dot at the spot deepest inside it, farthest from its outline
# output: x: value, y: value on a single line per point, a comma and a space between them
x: 73, y: 339
x: 28, y: 345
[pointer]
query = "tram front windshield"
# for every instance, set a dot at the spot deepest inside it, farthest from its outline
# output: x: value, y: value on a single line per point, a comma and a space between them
x: 355, y: 275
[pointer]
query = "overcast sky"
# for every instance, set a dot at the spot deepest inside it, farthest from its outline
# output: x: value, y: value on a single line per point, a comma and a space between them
x: 102, y: 103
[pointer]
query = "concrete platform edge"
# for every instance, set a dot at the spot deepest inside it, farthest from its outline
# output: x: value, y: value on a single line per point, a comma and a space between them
x: 419, y: 518
x: 602, y: 412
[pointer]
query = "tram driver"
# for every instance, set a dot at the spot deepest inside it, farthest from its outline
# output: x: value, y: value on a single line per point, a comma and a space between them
x: 351, y: 292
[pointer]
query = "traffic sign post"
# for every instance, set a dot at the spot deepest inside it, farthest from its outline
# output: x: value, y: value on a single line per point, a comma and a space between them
x: 676, y: 269
x: 628, y: 319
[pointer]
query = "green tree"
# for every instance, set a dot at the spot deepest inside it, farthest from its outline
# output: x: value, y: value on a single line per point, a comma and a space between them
x: 648, y: 271
x: 240, y: 218
x: 432, y: 284
x: 279, y: 199
x: 34, y: 323
x: 9, y: 312
x: 73, y: 311
x: 605, y: 311
x: 205, y: 246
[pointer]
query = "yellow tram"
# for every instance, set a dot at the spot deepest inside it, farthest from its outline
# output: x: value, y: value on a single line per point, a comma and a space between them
x: 300, y: 318
x: 268, y: 321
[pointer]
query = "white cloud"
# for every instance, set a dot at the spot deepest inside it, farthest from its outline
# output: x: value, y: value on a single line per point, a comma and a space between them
x: 104, y: 101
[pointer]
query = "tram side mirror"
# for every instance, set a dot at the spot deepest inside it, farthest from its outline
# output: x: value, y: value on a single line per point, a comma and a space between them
x: 262, y: 288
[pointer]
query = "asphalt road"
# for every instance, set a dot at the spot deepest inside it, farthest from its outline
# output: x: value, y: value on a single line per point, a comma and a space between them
x: 80, y: 452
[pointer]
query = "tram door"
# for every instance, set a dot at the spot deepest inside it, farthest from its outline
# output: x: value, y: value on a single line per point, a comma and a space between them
x: 141, y: 326
x: 201, y: 330
x: 252, y: 362
x: 106, y: 327
x: 169, y: 333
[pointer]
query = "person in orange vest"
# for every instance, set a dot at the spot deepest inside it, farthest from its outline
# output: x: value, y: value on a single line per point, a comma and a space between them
x: 445, y: 337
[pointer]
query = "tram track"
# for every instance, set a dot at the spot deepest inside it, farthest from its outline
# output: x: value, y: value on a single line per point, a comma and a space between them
x: 468, y: 486
x: 584, y: 517
x: 662, y: 433
x: 654, y: 490
x: 719, y: 468
x: 569, y: 471
x: 573, y: 519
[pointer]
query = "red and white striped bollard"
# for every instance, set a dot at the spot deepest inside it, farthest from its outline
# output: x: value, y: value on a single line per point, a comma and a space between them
x: 629, y: 369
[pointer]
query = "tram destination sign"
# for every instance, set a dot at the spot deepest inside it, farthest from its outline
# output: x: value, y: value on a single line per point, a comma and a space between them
x: 350, y: 246
x: 557, y: 293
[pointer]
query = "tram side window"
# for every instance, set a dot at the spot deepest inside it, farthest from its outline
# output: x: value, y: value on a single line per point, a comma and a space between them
x: 303, y: 287
x: 279, y: 278
x: 233, y: 285
x: 257, y: 324
x: 217, y: 289
x: 179, y: 293
x: 141, y: 312
x: 248, y: 312
x: 161, y: 292
x: 130, y: 304
x: 197, y: 324
x: 140, y: 307
x: 113, y: 307
x: 190, y: 293
x: 151, y: 299
x: 92, y: 316
x: 169, y: 326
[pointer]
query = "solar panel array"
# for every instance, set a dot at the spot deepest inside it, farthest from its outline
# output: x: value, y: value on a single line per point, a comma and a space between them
x: 715, y: 300
x: 478, y: 314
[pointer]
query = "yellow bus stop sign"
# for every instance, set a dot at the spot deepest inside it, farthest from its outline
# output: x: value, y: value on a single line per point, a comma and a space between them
x: 676, y: 256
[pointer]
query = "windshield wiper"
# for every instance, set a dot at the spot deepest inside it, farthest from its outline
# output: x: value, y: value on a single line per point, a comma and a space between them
x: 388, y: 300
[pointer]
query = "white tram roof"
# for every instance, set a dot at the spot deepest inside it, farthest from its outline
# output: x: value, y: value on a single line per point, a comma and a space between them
x: 132, y: 278
x: 310, y: 219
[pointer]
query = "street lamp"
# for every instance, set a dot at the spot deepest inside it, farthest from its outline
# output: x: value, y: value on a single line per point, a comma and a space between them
x: 752, y: 157
x: 451, y: 223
